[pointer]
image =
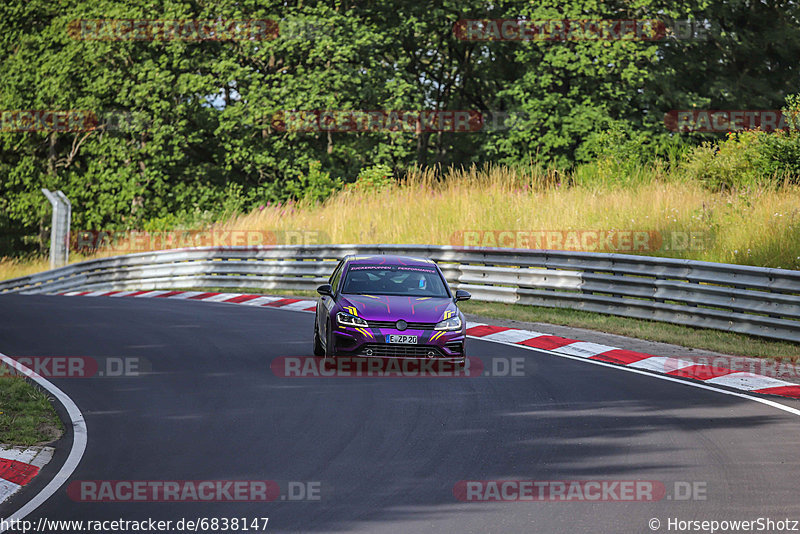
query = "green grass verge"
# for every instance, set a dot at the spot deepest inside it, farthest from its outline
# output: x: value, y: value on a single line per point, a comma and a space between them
x: 686, y: 336
x: 26, y: 415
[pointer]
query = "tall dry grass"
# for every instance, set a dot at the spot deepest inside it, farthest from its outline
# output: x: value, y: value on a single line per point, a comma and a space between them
x: 757, y: 227
x: 760, y: 226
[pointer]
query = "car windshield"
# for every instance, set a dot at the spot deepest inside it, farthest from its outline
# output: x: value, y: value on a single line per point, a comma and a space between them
x: 401, y: 280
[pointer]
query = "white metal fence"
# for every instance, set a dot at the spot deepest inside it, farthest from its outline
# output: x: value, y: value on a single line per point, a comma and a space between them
x: 749, y: 300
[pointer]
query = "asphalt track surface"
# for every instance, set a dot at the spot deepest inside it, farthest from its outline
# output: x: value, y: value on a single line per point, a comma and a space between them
x: 387, y: 452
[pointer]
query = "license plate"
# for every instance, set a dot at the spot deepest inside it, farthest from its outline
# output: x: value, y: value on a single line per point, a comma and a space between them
x: 401, y: 339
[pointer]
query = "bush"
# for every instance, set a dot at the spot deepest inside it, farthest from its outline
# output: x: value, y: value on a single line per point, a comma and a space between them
x: 316, y: 186
x: 373, y: 178
x: 749, y: 157
x: 779, y: 153
x: 621, y: 155
x: 731, y: 164
x: 779, y: 156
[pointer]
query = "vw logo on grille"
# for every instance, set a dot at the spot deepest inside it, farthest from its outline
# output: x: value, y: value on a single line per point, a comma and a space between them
x: 401, y: 325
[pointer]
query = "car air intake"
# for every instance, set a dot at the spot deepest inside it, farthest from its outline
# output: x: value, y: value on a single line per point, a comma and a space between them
x: 400, y: 351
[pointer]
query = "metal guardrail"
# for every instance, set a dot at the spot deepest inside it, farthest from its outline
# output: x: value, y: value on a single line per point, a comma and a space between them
x: 736, y: 298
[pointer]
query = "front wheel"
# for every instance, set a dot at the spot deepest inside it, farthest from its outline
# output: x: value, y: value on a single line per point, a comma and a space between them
x: 463, y: 363
x: 319, y: 350
x: 330, y: 346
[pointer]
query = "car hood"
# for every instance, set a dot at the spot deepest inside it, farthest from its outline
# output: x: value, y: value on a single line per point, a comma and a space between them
x: 392, y: 308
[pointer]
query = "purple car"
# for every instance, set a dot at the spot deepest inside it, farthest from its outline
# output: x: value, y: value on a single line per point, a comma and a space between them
x: 389, y: 307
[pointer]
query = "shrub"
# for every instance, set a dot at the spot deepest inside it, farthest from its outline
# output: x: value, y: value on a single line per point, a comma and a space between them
x: 779, y: 152
x: 749, y: 157
x: 315, y: 186
x: 621, y: 155
x: 373, y: 178
x: 731, y: 164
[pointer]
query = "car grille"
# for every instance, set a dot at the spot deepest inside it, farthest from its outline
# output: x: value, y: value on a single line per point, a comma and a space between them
x: 393, y: 324
x: 399, y: 351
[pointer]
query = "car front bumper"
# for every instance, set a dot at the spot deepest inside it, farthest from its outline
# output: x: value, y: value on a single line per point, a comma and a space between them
x: 371, y: 343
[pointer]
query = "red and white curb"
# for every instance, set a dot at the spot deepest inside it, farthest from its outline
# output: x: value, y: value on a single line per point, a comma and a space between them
x: 675, y: 367
x: 670, y: 366
x: 229, y: 298
x: 18, y: 474
x: 19, y: 465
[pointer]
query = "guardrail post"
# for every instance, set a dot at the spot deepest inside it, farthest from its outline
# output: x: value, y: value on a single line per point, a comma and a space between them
x: 59, y: 233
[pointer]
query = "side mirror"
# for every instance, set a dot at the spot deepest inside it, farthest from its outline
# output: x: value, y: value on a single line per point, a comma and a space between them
x: 325, y: 289
x: 462, y: 295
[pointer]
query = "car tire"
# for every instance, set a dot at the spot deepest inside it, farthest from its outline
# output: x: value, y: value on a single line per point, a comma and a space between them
x: 330, y: 345
x: 319, y: 350
x: 463, y: 363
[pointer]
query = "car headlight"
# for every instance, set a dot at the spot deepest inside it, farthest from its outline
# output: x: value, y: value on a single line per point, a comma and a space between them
x: 453, y: 323
x: 346, y: 319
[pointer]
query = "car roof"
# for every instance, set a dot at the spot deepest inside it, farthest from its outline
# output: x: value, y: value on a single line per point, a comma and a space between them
x: 386, y: 259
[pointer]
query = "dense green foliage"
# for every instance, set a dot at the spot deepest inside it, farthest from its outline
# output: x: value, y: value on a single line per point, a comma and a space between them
x: 201, y: 140
x: 748, y: 158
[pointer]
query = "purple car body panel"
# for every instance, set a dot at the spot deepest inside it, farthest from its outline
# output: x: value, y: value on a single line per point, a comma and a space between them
x: 392, y: 308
